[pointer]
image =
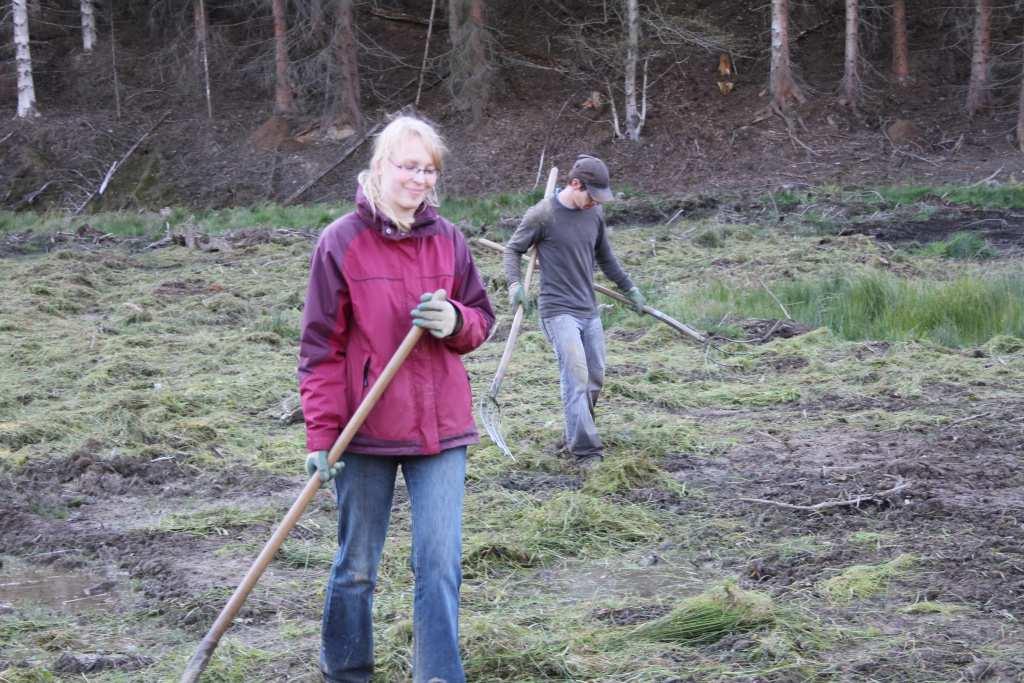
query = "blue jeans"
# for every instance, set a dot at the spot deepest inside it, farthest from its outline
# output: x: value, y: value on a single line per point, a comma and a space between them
x: 365, y: 489
x: 579, y: 348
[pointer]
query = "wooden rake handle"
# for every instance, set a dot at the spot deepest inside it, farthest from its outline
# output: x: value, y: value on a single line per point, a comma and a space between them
x: 517, y: 319
x: 204, y: 652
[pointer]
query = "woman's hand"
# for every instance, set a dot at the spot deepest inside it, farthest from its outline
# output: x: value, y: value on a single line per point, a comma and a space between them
x: 439, y: 318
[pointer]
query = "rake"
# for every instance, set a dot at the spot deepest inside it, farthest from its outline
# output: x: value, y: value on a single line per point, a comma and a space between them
x: 682, y: 328
x: 202, y: 655
x: 490, y: 409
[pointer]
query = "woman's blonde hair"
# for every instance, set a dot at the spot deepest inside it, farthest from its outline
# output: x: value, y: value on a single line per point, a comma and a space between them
x: 389, y: 140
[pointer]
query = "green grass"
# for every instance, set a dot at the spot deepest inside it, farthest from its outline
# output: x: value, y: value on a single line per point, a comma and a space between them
x: 961, y: 245
x: 1009, y: 196
x: 879, y: 306
x: 474, y: 213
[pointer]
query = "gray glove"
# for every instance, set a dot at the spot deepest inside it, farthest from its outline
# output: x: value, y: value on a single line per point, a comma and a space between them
x: 437, y: 317
x: 316, y: 463
x: 636, y: 297
x: 517, y: 296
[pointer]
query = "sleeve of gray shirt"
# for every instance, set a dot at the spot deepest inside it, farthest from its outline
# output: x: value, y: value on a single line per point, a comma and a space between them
x: 525, y: 235
x: 607, y: 262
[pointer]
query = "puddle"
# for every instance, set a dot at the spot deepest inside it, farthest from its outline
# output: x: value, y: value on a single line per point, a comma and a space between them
x: 24, y: 585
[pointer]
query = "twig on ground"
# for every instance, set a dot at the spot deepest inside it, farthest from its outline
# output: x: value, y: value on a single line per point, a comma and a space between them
x: 985, y: 180
x: 775, y: 299
x: 818, y: 507
x: 966, y: 419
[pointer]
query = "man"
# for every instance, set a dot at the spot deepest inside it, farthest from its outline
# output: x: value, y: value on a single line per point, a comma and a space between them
x: 571, y: 237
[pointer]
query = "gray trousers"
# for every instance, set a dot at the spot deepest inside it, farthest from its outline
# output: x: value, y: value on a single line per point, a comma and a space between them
x: 579, y: 348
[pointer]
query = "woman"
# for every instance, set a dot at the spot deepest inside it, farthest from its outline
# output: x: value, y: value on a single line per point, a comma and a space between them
x: 369, y: 269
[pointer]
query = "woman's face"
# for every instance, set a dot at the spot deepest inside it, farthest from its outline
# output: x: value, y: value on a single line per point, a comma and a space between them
x: 408, y: 174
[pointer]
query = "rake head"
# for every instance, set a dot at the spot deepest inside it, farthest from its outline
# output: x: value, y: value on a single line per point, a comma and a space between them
x: 490, y: 415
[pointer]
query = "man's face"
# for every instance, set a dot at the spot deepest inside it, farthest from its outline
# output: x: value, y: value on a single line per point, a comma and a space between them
x: 581, y: 199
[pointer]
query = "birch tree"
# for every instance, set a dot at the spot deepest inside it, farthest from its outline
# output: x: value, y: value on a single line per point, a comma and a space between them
x: 23, y: 59
x: 88, y: 25
x: 1020, y: 116
x: 781, y: 83
x: 202, y: 48
x: 634, y: 118
x: 850, y: 87
x: 900, y: 52
x: 284, y: 102
x: 978, y: 92
x: 346, y: 55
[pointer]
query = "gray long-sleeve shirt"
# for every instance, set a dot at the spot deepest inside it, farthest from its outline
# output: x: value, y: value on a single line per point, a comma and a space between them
x: 569, y: 244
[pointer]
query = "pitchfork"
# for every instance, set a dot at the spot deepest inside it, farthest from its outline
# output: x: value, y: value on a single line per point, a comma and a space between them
x: 490, y: 409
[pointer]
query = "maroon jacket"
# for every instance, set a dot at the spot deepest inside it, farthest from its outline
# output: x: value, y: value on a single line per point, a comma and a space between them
x: 365, y: 278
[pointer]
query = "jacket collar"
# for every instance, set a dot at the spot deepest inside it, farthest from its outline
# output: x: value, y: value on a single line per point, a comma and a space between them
x: 424, y: 221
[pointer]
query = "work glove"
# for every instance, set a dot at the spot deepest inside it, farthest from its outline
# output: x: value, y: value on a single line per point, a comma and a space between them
x: 437, y: 317
x: 516, y: 296
x: 636, y: 297
x: 316, y: 463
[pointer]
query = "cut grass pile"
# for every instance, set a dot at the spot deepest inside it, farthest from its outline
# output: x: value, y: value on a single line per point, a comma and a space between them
x: 866, y: 580
x: 707, y: 617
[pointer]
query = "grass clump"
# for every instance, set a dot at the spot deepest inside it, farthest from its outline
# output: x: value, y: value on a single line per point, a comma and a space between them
x: 708, y: 617
x: 932, y: 607
x: 865, y: 580
x: 878, y: 306
x: 962, y: 245
x: 1009, y: 196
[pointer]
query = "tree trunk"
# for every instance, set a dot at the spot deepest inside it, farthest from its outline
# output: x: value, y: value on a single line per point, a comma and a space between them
x: 900, y: 52
x: 781, y: 83
x: 470, y: 56
x: 850, y: 86
x: 346, y: 54
x: 316, y: 16
x: 633, y: 122
x: 201, y: 28
x: 88, y: 26
x: 284, y: 103
x: 1020, y: 116
x: 978, y: 89
x: 23, y: 59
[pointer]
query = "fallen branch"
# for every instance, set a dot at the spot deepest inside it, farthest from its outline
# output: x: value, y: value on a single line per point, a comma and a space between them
x: 116, y: 166
x: 302, y: 190
x: 818, y: 507
x: 965, y: 419
x: 775, y: 299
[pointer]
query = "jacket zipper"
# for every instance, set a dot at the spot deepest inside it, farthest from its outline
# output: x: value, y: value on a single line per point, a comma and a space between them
x: 366, y: 373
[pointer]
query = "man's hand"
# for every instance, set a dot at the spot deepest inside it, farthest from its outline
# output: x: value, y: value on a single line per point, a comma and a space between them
x: 636, y: 297
x: 316, y: 463
x: 437, y: 317
x: 517, y: 296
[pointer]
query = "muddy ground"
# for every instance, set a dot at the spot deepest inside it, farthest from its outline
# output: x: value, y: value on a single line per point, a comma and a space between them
x: 144, y: 460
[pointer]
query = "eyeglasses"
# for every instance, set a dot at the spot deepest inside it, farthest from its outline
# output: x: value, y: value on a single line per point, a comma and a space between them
x: 412, y: 170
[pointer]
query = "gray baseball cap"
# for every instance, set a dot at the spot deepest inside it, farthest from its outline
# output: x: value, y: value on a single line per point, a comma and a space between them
x: 592, y: 172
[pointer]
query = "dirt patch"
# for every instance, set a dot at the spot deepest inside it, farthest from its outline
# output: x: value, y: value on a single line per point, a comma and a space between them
x: 1002, y: 229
